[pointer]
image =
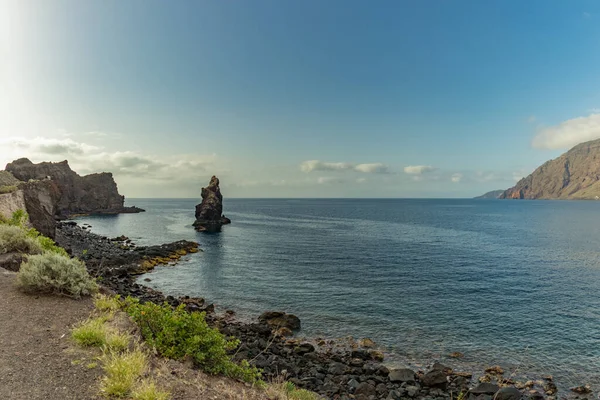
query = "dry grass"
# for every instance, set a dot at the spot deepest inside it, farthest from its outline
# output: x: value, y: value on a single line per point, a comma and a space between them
x: 147, y: 390
x: 280, y: 389
x: 122, y: 371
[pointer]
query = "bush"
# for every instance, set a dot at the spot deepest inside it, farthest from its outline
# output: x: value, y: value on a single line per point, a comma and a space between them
x: 19, y: 220
x: 13, y: 238
x: 177, y: 334
x: 54, y: 273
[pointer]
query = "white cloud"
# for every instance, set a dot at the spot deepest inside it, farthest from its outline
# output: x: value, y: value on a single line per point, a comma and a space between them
x: 586, y: 14
x: 418, y: 169
x: 531, y: 119
x: 361, y: 180
x: 375, y: 168
x: 322, y: 180
x: 316, y: 165
x: 568, y: 133
x: 456, y: 177
x: 85, y: 159
x: 51, y: 146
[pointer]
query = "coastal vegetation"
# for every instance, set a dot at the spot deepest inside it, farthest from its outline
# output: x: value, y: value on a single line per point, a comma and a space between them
x: 178, y: 334
x: 47, y: 267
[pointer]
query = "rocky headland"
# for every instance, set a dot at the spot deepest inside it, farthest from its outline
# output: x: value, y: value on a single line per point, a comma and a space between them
x: 573, y: 175
x: 209, y: 213
x: 52, y: 191
x: 494, y: 194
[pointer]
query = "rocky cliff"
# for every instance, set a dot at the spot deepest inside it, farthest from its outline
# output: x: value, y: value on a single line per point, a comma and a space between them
x: 209, y: 213
x: 573, y: 175
x: 90, y: 194
x: 38, y: 198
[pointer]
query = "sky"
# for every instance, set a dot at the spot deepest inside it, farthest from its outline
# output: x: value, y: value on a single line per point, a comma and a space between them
x: 299, y: 98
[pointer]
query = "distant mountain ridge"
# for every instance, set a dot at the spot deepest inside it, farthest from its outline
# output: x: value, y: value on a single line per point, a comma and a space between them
x: 494, y: 194
x: 573, y: 175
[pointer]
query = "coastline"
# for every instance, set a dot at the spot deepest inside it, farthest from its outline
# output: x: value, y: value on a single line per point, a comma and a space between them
x: 324, y: 365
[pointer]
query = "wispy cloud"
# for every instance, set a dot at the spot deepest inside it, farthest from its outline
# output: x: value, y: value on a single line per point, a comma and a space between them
x: 322, y: 180
x: 568, y: 133
x: 586, y: 15
x: 316, y: 165
x: 531, y: 119
x: 456, y: 178
x: 85, y: 158
x: 418, y: 169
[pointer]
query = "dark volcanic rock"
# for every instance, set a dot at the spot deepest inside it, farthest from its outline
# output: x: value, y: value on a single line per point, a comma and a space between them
x: 279, y: 319
x: 484, y: 388
x: 508, y: 393
x: 90, y: 194
x: 11, y: 261
x: 41, y: 199
x: 209, y: 213
x: 402, y: 375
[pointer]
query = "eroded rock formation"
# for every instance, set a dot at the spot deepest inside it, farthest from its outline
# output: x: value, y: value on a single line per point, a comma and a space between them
x: 90, y: 194
x: 209, y: 213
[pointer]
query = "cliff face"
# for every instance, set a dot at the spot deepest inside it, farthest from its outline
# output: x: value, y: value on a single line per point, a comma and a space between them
x: 90, y: 194
x: 573, y: 175
x: 39, y: 199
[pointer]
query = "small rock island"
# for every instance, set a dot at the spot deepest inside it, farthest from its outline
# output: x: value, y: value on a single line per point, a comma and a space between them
x: 209, y: 213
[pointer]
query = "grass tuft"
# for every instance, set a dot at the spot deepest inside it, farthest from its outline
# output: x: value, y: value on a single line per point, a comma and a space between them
x: 147, y: 390
x: 104, y: 303
x: 122, y: 371
x: 90, y: 333
x: 283, y: 390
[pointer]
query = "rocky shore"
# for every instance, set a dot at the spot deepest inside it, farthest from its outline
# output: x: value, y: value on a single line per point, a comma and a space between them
x: 335, y: 369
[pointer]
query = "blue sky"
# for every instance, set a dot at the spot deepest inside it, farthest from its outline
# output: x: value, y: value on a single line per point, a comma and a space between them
x: 299, y: 98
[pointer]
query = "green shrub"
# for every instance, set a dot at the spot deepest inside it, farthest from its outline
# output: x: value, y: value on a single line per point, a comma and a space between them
x: 176, y: 334
x: 50, y: 272
x: 13, y: 238
x: 8, y: 189
x: 19, y: 219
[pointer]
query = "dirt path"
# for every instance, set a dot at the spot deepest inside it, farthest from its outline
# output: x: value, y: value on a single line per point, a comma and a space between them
x: 36, y: 356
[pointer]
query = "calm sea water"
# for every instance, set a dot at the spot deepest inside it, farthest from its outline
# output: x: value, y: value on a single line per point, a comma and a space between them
x: 514, y: 283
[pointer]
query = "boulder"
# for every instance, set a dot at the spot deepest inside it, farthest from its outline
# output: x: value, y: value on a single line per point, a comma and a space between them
x: 435, y: 378
x: 209, y: 213
x: 402, y: 375
x: 11, y: 261
x: 584, y: 389
x: 279, y: 319
x: 508, y: 393
x: 484, y: 388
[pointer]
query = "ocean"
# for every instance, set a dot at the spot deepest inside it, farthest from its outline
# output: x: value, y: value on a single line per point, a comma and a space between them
x: 514, y: 283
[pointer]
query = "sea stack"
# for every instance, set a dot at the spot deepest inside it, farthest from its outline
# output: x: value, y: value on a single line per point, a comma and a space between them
x: 209, y: 213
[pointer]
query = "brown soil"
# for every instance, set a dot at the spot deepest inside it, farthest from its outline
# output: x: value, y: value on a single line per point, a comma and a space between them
x: 38, y: 360
x: 36, y: 356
